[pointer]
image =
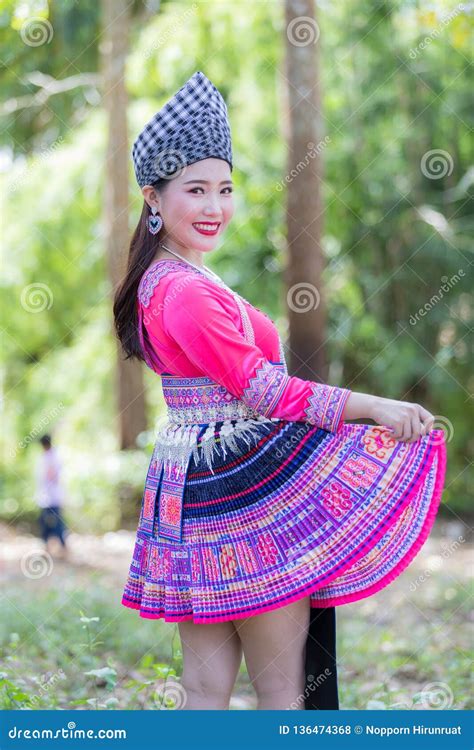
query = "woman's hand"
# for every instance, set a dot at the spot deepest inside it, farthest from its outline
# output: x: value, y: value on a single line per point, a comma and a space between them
x: 407, y: 421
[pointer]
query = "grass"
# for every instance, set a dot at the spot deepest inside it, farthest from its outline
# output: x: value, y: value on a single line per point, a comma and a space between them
x: 67, y: 642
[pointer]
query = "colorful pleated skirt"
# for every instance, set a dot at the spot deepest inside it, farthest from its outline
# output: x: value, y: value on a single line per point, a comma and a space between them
x: 301, y: 512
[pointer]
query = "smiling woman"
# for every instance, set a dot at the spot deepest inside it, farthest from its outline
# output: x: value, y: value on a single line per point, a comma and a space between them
x: 259, y: 502
x: 192, y: 210
x: 192, y: 207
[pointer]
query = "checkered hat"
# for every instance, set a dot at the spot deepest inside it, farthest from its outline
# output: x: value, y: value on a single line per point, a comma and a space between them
x: 191, y: 126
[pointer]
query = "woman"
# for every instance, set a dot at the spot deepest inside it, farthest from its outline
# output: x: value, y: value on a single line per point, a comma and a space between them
x: 260, y: 504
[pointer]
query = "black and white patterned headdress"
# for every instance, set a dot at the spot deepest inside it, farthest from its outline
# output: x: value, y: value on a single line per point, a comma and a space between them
x: 191, y: 126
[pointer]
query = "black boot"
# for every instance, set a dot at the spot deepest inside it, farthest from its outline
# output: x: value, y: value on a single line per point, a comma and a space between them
x: 320, y: 665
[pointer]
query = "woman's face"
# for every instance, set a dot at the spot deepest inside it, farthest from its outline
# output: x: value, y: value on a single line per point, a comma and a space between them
x: 196, y: 206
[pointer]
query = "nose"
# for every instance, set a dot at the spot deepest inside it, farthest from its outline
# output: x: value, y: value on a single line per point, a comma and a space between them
x: 213, y: 208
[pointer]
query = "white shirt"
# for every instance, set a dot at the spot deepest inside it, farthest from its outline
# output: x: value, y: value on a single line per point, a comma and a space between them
x: 49, y: 490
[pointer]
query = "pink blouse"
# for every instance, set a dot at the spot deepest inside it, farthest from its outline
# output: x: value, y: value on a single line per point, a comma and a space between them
x: 193, y: 328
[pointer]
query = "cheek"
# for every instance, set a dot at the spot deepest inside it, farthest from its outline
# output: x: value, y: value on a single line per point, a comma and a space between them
x: 228, y: 211
x: 181, y: 212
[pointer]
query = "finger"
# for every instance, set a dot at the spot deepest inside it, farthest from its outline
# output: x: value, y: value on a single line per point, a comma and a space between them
x: 426, y: 417
x: 406, y: 432
x: 415, y: 428
x: 397, y: 430
x: 429, y: 424
x: 426, y: 427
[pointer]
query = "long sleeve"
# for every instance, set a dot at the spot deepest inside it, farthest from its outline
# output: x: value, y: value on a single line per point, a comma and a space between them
x: 202, y: 322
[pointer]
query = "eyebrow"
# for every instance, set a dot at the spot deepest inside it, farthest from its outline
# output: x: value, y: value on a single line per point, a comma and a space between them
x: 206, y: 182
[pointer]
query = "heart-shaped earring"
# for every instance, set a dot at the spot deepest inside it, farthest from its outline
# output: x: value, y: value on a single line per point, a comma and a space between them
x: 154, y: 223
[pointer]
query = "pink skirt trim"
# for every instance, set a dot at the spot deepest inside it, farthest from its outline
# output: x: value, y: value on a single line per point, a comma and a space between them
x: 412, y: 550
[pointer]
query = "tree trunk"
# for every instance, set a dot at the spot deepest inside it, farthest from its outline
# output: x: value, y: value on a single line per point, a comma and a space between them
x: 306, y: 312
x: 306, y: 308
x: 114, y: 48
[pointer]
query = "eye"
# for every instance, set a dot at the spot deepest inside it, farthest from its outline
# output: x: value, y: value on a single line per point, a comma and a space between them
x: 200, y: 188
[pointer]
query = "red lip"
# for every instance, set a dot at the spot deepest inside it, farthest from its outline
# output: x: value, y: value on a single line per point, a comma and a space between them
x: 208, y: 232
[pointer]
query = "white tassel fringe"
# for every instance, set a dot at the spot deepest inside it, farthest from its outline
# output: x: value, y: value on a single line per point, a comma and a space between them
x: 174, y: 443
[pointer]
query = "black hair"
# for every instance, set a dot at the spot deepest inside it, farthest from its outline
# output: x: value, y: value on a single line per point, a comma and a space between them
x: 143, y: 248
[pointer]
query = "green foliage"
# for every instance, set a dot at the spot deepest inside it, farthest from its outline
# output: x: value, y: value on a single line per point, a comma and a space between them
x: 62, y: 646
x: 54, y: 655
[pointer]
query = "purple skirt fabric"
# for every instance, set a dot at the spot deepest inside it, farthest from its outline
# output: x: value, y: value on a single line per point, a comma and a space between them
x: 303, y: 512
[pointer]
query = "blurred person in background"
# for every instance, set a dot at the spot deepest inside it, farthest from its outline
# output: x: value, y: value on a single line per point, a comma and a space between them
x: 50, y: 495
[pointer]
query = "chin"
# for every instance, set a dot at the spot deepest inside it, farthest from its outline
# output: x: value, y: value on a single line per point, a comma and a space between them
x: 205, y: 244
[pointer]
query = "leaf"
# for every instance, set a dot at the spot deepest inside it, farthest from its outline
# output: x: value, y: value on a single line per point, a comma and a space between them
x: 163, y: 670
x: 111, y: 702
x: 102, y: 672
x: 106, y: 676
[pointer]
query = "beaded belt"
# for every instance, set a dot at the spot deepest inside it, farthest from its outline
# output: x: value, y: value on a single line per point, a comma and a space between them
x: 200, y: 401
x: 192, y: 404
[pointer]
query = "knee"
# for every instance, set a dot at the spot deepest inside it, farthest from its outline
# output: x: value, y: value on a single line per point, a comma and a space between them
x: 211, y: 687
x: 281, y: 692
x: 281, y: 675
x: 275, y: 683
x: 199, y: 695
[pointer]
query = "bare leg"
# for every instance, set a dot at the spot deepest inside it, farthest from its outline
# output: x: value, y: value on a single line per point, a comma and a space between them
x: 274, y: 645
x: 212, y: 654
